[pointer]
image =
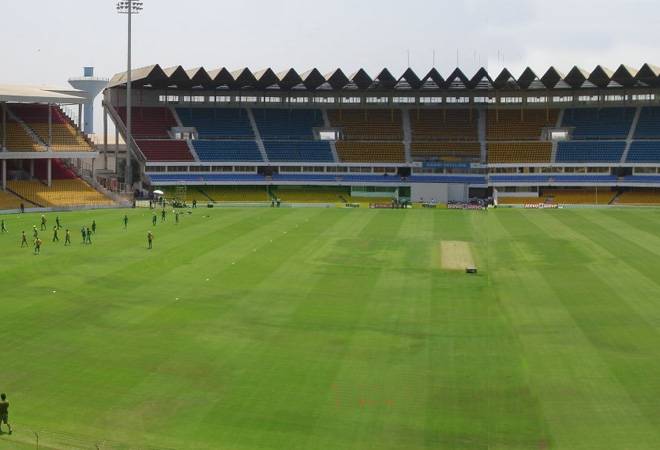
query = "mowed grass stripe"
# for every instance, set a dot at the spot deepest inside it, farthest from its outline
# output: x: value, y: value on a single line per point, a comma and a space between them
x: 579, y: 393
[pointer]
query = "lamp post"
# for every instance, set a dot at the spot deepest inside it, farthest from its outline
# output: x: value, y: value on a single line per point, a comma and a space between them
x: 129, y: 7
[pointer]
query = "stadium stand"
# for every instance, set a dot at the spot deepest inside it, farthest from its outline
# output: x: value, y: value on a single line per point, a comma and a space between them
x: 365, y: 152
x: 236, y: 193
x: 368, y: 125
x: 287, y: 124
x: 18, y: 139
x: 444, y: 125
x: 237, y: 151
x: 64, y: 134
x: 644, y: 152
x: 590, y: 152
x: 63, y: 193
x: 217, y: 123
x: 10, y: 201
x: 312, y: 195
x: 520, y: 200
x: 294, y: 151
x: 578, y: 196
x: 519, y: 152
x: 445, y: 151
x: 648, y: 126
x: 165, y: 150
x: 513, y: 125
x: 639, y: 197
x: 605, y: 123
x: 150, y: 123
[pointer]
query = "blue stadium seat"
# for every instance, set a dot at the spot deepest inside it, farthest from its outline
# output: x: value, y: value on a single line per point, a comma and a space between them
x: 648, y: 126
x: 227, y: 151
x: 644, y: 152
x: 228, y: 123
x: 288, y: 124
x: 590, y: 151
x: 605, y: 123
x: 299, y: 151
x: 199, y: 178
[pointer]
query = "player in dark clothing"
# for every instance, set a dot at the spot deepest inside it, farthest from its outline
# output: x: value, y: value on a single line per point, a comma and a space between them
x: 67, y: 237
x: 57, y: 222
x: 150, y: 239
x: 89, y: 236
x: 154, y: 219
x: 4, y: 412
x: 162, y: 215
x: 43, y: 223
x: 56, y: 238
x: 3, y: 229
x: 37, y: 246
x: 194, y: 203
x: 125, y: 221
x: 94, y: 226
x: 24, y: 241
x: 176, y: 217
x: 84, y: 234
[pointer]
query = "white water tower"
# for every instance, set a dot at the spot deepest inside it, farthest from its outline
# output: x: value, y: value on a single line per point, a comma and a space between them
x: 92, y: 86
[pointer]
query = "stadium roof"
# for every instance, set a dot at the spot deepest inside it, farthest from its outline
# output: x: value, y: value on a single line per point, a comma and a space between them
x: 312, y: 80
x: 40, y: 94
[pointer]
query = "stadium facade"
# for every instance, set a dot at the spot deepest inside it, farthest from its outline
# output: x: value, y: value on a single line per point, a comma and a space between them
x: 430, y: 137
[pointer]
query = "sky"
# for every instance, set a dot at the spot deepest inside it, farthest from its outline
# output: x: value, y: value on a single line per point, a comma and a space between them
x: 46, y: 42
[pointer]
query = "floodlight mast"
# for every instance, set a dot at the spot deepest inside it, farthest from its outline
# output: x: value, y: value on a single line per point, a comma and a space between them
x: 129, y: 7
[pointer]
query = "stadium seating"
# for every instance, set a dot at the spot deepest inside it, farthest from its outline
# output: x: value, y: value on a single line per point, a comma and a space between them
x: 19, y: 140
x: 568, y: 180
x: 312, y: 195
x: 512, y: 125
x: 10, y: 201
x: 644, y: 152
x: 648, y: 126
x: 444, y: 125
x: 605, y: 123
x: 445, y: 151
x: 366, y: 152
x: 519, y: 152
x: 520, y: 200
x: 165, y: 150
x: 61, y: 133
x: 217, y: 123
x: 368, y: 125
x: 63, y: 193
x: 150, y: 123
x: 592, y: 151
x: 639, y: 197
x: 240, y: 151
x: 304, y: 151
x: 287, y: 124
x: 236, y: 193
x: 578, y: 196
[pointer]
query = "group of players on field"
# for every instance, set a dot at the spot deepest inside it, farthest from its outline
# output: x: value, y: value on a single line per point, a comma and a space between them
x: 86, y: 232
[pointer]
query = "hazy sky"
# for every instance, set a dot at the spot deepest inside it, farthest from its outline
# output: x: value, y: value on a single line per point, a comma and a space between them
x: 45, y: 41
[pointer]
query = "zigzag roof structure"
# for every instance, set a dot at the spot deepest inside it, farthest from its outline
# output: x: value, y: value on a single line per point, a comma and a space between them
x: 312, y: 80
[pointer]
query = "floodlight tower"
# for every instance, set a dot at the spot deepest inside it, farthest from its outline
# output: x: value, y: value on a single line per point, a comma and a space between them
x: 92, y: 86
x: 129, y: 7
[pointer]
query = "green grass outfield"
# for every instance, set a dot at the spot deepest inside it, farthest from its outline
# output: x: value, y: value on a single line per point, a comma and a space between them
x: 319, y: 329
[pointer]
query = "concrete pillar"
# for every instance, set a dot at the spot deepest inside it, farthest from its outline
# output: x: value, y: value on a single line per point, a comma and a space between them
x: 4, y: 126
x: 116, y: 151
x: 81, y: 121
x: 32, y: 168
x: 105, y: 139
x: 50, y: 172
x: 50, y: 125
x: 4, y: 174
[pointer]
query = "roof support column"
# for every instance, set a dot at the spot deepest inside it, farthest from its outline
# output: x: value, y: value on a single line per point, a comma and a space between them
x: 32, y: 168
x: 105, y: 138
x: 4, y: 126
x: 50, y: 173
x: 4, y: 174
x: 116, y: 151
x: 80, y: 118
x: 50, y: 126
